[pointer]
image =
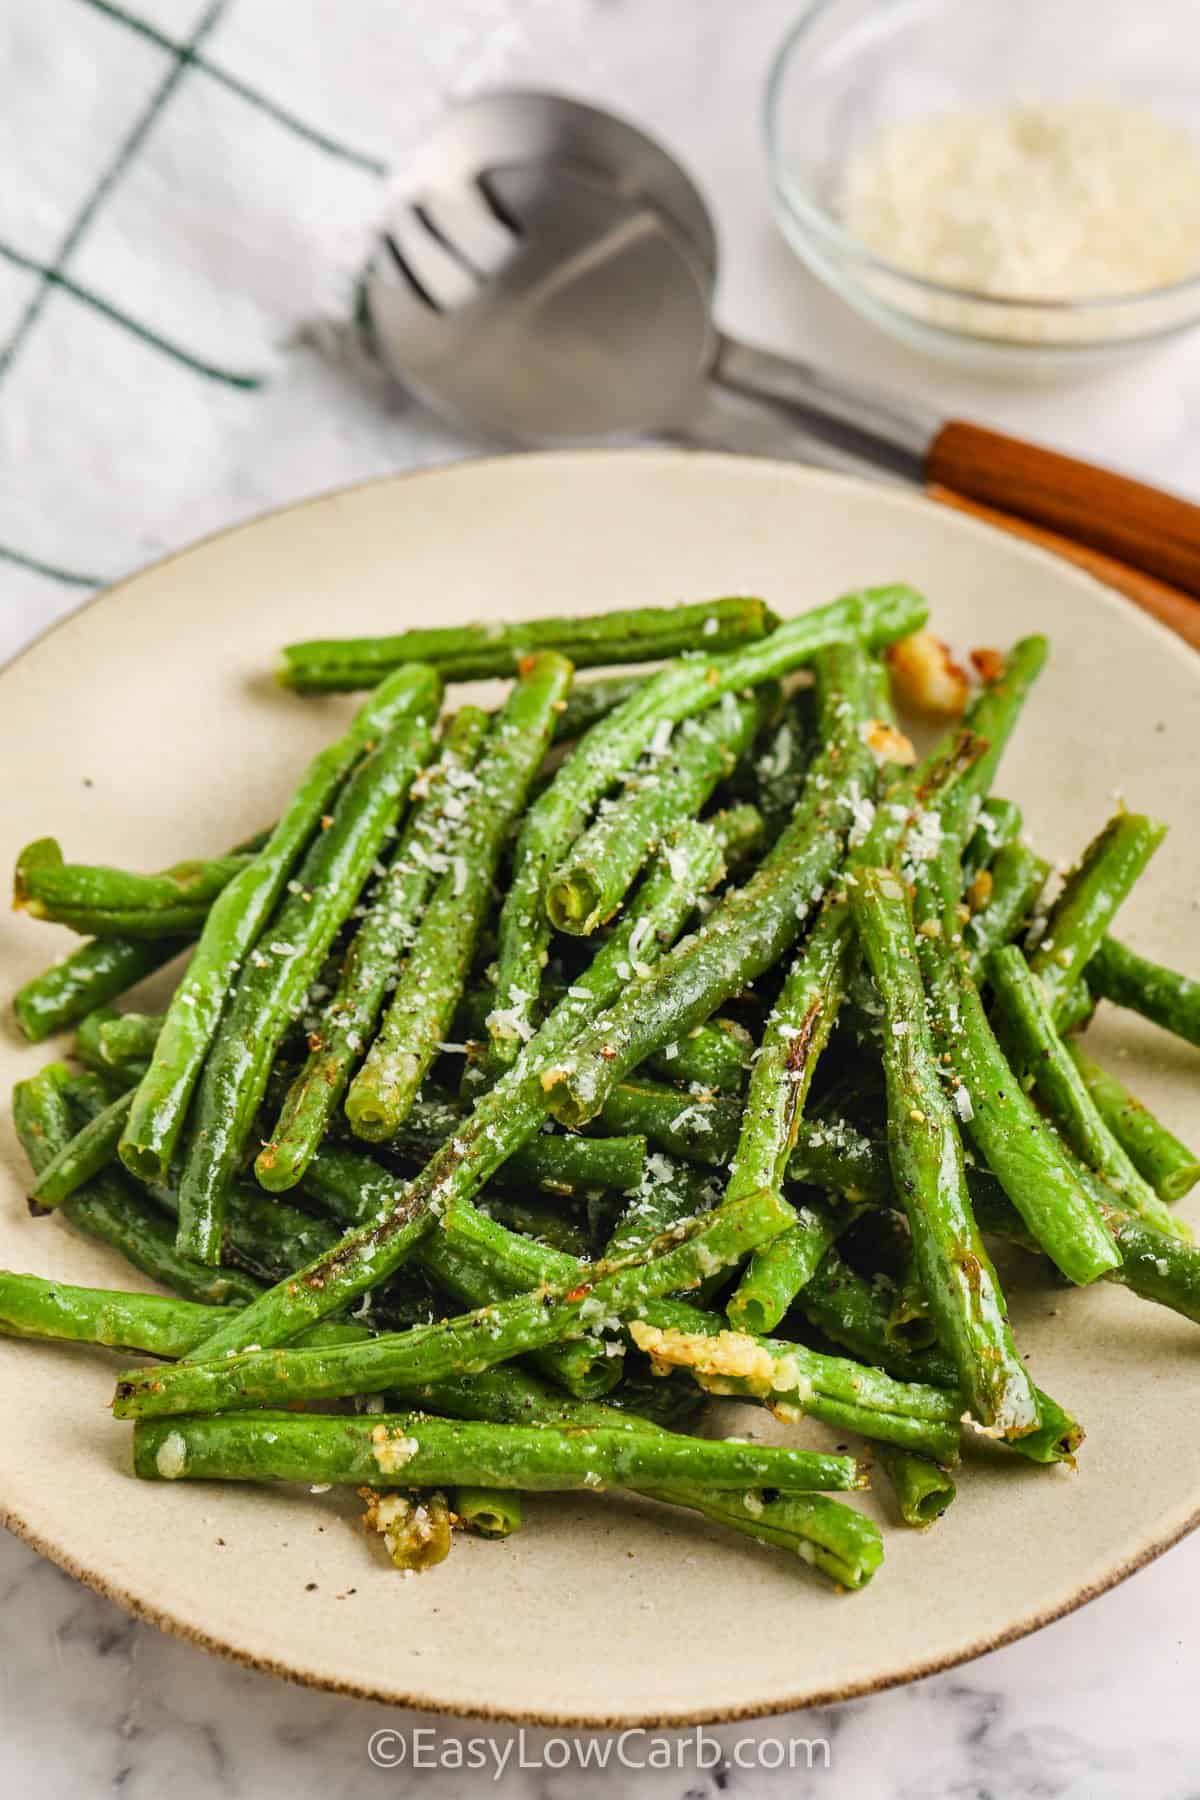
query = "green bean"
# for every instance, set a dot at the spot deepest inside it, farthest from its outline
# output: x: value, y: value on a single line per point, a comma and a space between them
x: 575, y: 1165
x: 1176, y: 1276
x: 781, y: 765
x: 589, y: 701
x: 785, y: 1375
x: 156, y: 1324
x: 850, y: 1311
x: 98, y: 901
x: 716, y: 1056
x: 1014, y: 1140
x: 87, y: 1047
x: 152, y: 1324
x: 776, y: 1273
x: 85, y: 1155
x: 272, y: 986
x: 268, y: 1239
x: 1075, y: 1009
x: 795, y: 1036
x: 478, y: 1260
x: 419, y: 1014
x: 829, y: 965
x: 700, y: 1128
x: 997, y: 827
x: 505, y: 1118
x: 1016, y: 1143
x: 1090, y: 899
x: 665, y: 899
x: 991, y: 719
x: 793, y: 1381
x: 559, y: 1164
x: 128, y: 1040
x: 91, y: 976
x: 94, y: 1089
x: 42, y: 1117
x: 73, y: 990
x: 483, y: 651
x: 104, y: 1208
x: 612, y: 747
x: 923, y: 1490
x: 1166, y: 1163
x: 832, y: 1155
x: 415, y: 1450
x: 750, y: 929
x: 1024, y: 1009
x: 1157, y: 1267
x: 694, y: 859
x: 478, y: 1339
x: 672, y: 782
x: 1018, y: 877
x: 536, y: 1220
x: 845, y: 1545
x: 669, y: 1193
x: 1162, y: 995
x: 583, y: 1368
x: 908, y: 1323
x: 236, y: 921
x: 376, y: 949
x: 1154, y: 1265
x: 489, y: 1512
x: 927, y: 1162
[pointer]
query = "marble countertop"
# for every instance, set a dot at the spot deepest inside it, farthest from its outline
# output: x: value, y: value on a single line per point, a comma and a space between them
x: 1101, y: 1704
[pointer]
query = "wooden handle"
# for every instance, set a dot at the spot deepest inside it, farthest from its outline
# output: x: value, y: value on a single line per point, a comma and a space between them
x: 1177, y: 611
x: 1142, y: 527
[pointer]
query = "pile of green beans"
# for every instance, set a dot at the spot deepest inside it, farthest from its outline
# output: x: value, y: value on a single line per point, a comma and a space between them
x: 666, y: 1035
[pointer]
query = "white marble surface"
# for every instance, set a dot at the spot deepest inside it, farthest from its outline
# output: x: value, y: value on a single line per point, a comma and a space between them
x: 1100, y: 1705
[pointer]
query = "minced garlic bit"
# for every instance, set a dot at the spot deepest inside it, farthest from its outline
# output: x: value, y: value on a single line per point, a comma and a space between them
x: 171, y: 1459
x: 391, y: 1453
x: 415, y: 1527
x: 1050, y: 200
x: 887, y: 745
x: 728, y: 1356
x: 980, y: 891
x: 926, y: 678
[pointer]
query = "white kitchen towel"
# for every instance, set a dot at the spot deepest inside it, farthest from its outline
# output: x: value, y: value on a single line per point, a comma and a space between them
x: 189, y: 185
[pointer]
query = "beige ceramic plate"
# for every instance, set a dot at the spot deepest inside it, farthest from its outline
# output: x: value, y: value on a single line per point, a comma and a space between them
x: 144, y: 730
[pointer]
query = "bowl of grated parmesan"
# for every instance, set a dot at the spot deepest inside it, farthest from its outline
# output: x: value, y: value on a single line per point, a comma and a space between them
x: 1009, y: 183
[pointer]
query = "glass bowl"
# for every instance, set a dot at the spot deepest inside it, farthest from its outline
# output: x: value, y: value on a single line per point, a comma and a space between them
x: 849, y: 69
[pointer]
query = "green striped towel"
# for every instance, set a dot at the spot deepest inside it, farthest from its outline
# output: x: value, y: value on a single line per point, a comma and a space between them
x: 188, y: 186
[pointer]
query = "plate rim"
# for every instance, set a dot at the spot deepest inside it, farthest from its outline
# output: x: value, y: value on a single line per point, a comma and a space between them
x: 186, y: 1629
x: 608, y: 1722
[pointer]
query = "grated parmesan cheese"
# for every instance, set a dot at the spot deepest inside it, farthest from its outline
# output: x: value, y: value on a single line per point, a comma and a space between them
x: 1053, y: 200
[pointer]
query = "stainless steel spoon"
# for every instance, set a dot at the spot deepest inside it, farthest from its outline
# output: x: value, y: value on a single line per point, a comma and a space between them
x: 547, y: 275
